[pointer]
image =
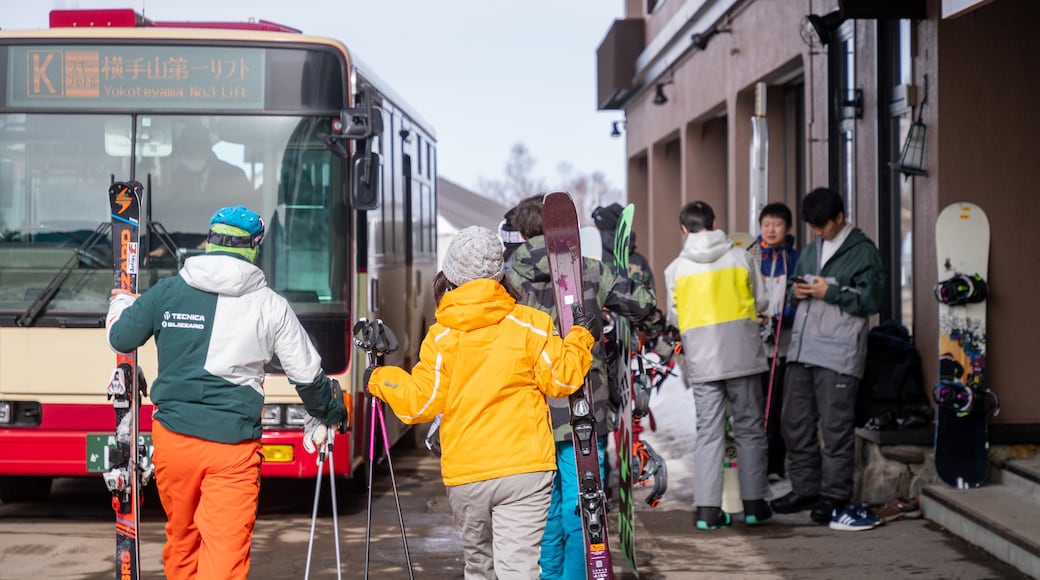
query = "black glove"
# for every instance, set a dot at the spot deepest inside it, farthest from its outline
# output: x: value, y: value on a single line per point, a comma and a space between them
x: 582, y: 318
x: 367, y: 377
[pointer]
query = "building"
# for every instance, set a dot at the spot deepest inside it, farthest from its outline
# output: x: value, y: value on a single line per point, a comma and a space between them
x: 687, y: 76
x: 902, y: 106
x: 457, y: 208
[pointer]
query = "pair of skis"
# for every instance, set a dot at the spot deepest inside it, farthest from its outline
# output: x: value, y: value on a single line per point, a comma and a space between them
x: 562, y: 241
x: 131, y: 467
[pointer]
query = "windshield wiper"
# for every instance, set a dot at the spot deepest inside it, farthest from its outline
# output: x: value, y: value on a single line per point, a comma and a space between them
x: 81, y: 255
x: 158, y: 231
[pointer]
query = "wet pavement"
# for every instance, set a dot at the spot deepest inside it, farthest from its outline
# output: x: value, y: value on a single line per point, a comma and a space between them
x: 71, y: 537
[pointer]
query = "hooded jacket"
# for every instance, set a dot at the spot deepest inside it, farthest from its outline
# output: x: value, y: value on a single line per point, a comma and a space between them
x: 601, y: 289
x: 714, y: 296
x: 216, y: 324
x: 832, y: 333
x: 487, y: 365
x: 777, y: 263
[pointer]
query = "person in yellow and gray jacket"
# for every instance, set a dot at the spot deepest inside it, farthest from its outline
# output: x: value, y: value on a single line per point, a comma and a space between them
x: 715, y: 297
x: 487, y: 366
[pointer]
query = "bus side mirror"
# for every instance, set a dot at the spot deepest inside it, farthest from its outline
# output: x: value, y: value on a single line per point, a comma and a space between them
x: 364, y: 181
x: 361, y: 122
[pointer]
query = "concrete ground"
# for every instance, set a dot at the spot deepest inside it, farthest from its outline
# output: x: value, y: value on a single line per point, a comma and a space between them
x: 70, y: 537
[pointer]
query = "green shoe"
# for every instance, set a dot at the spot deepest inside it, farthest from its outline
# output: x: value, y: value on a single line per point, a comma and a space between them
x: 711, y: 518
x: 756, y: 512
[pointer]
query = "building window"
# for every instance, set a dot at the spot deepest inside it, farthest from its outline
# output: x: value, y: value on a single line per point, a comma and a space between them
x: 896, y: 195
x: 847, y: 125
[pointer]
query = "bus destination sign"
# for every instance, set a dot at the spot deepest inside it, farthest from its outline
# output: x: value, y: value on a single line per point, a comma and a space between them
x: 109, y: 76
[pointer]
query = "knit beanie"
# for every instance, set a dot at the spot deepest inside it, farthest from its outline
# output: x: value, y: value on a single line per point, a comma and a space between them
x: 236, y: 230
x: 476, y: 252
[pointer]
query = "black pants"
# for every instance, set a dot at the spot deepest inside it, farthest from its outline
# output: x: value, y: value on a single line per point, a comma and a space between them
x: 815, y: 397
x: 777, y: 450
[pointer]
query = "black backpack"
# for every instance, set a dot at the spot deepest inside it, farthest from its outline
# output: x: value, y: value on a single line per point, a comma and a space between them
x: 892, y: 394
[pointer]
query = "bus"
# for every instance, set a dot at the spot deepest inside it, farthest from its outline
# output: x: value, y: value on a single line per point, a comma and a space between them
x: 204, y: 115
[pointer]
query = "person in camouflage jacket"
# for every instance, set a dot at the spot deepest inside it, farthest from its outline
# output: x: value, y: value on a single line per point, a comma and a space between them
x: 563, y: 554
x: 607, y: 219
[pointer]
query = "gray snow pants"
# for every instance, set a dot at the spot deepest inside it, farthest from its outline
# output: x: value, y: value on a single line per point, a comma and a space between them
x: 817, y: 396
x: 747, y: 403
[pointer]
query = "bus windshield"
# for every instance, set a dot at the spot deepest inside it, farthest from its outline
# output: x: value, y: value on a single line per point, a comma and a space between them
x: 55, y: 170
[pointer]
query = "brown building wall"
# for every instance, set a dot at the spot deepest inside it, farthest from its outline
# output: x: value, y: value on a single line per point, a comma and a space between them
x: 987, y: 153
x: 983, y: 123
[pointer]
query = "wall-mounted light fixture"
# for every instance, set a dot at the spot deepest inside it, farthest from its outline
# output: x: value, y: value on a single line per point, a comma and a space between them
x: 818, y: 30
x: 849, y: 103
x: 659, y: 97
x: 911, y: 158
x: 700, y: 40
x: 616, y: 129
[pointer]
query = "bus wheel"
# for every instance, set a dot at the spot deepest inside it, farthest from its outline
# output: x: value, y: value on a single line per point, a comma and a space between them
x: 24, y: 488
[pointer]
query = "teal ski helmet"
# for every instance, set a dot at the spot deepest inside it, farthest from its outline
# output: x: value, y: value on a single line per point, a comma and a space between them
x: 237, y: 230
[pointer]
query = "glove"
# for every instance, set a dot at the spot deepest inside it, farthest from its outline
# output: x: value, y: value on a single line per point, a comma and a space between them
x: 582, y: 318
x: 315, y: 433
x: 367, y: 377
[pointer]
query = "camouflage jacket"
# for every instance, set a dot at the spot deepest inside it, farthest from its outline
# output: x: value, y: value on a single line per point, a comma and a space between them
x: 638, y: 266
x: 529, y: 274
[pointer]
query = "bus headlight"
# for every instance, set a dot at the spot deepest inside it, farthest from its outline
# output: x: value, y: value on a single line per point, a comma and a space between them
x: 296, y: 415
x: 5, y: 412
x: 271, y: 415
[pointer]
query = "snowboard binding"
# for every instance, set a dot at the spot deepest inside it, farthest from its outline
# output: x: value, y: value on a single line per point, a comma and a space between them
x: 651, y: 466
x: 954, y: 395
x: 961, y: 289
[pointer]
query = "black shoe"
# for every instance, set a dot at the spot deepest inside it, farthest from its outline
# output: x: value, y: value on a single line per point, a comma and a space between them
x: 710, y: 518
x: 756, y: 511
x: 793, y: 502
x: 824, y: 509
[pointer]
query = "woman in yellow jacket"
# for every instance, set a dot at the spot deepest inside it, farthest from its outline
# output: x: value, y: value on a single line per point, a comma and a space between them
x: 487, y: 366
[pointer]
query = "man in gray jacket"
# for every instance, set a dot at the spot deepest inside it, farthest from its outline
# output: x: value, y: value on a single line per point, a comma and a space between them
x: 838, y: 285
x: 715, y: 297
x: 216, y: 324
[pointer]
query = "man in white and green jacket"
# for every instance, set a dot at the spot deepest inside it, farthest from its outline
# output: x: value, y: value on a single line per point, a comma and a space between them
x: 216, y: 324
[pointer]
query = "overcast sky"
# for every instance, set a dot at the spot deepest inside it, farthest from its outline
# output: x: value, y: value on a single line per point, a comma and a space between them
x: 485, y: 73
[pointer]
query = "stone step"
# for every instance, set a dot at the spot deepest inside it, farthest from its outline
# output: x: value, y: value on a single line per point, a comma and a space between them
x: 1002, y: 518
x: 1023, y: 474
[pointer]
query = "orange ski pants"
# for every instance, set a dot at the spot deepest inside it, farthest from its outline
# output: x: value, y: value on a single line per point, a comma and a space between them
x: 209, y: 491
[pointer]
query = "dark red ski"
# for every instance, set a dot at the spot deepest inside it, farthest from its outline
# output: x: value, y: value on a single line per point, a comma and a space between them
x: 562, y: 241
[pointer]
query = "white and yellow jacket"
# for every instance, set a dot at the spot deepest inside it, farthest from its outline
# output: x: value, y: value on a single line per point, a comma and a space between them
x: 714, y: 297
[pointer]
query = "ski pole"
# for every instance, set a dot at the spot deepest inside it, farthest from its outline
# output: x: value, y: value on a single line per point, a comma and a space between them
x: 772, y: 367
x: 371, y: 463
x: 377, y: 408
x: 325, y: 452
x: 314, y: 516
x: 376, y: 339
x: 377, y: 414
x: 776, y: 342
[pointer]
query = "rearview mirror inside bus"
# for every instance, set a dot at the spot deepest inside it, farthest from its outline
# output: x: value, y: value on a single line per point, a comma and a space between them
x: 154, y: 138
x: 365, y: 181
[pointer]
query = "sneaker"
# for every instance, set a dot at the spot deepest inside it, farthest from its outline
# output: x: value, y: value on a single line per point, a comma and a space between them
x: 711, y: 518
x: 825, y: 509
x: 756, y: 511
x: 855, y: 518
x: 793, y: 502
x: 899, y: 508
